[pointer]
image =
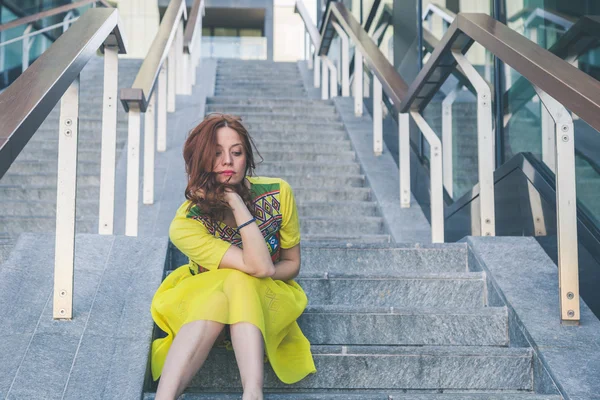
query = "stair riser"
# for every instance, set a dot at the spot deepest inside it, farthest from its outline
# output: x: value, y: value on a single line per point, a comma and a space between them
x: 302, y: 146
x: 384, y: 261
x: 45, y: 194
x: 283, y: 169
x: 291, y: 119
x: 407, y: 330
x: 347, y: 241
x: 336, y: 210
x: 249, y: 83
x: 308, y: 157
x: 85, y: 124
x: 344, y: 227
x: 369, y: 395
x: 283, y: 102
x: 85, y: 208
x: 329, y: 195
x: 292, y: 127
x: 240, y: 110
x: 299, y: 135
x: 385, y: 372
x: 88, y: 168
x: 39, y: 180
x: 323, y: 181
x: 45, y: 154
x: 466, y: 293
x: 52, y: 145
x: 20, y: 225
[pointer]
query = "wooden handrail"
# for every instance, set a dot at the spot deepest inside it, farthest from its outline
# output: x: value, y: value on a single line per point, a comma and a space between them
x: 192, y: 25
x: 28, y: 101
x: 391, y: 82
x: 146, y: 78
x: 49, y: 13
x: 574, y: 89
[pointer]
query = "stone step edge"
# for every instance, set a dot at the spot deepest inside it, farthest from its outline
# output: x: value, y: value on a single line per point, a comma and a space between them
x: 391, y: 310
x: 365, y: 394
x: 393, y: 276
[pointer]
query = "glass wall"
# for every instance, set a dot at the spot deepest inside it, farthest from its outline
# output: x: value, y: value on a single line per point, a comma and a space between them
x: 244, y: 44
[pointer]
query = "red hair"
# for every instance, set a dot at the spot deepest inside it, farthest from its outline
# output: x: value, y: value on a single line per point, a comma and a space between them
x: 199, y: 152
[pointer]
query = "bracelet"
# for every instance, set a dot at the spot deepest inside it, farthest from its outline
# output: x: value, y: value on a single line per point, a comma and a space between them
x: 246, y: 223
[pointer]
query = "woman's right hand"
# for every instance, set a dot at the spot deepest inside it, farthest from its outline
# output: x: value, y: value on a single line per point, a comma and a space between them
x: 232, y: 198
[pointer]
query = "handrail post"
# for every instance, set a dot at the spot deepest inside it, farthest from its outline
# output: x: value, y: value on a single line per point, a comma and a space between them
x: 66, y: 190
x: 317, y: 69
x: 109, y: 139
x: 345, y: 60
x: 161, y: 110
x: 404, y: 158
x: 133, y: 170
x: 566, y: 210
x: 447, y: 139
x: 333, y: 88
x: 358, y: 82
x: 377, y: 116
x: 171, y: 75
x: 485, y: 144
x: 324, y: 78
x: 149, y: 129
x: 180, y: 62
x: 436, y: 178
x: 26, y: 44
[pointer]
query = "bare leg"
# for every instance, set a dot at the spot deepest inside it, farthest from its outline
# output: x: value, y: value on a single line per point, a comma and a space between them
x: 248, y: 345
x: 186, y: 355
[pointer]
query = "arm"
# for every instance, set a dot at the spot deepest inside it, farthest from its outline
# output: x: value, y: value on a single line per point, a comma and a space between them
x: 254, y: 259
x: 289, y: 265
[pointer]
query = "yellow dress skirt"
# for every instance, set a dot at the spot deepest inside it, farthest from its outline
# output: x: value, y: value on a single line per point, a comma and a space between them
x: 230, y: 296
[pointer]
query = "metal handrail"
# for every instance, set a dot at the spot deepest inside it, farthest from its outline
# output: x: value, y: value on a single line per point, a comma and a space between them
x: 26, y: 103
x: 192, y: 28
x: 562, y: 20
x: 312, y: 30
x: 447, y: 15
x: 392, y: 83
x: 35, y: 33
x: 49, y: 13
x: 146, y: 79
x: 575, y: 89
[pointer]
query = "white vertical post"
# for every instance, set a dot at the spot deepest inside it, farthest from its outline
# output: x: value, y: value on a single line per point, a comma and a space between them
x: 333, y: 83
x: 66, y: 190
x: 66, y: 20
x: 358, y: 83
x: 316, y: 69
x: 171, y: 74
x: 345, y: 60
x: 324, y: 78
x: 566, y: 210
x: 377, y: 117
x: 548, y: 140
x: 179, y: 62
x: 447, y: 139
x: 187, y: 74
x: 149, y: 129
x: 309, y: 55
x: 436, y: 178
x: 133, y: 171
x: 161, y: 110
x: 108, y: 155
x: 485, y: 145
x: 404, y: 158
x: 26, y: 47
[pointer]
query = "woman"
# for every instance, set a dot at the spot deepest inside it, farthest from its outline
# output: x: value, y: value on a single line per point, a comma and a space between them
x: 233, y: 277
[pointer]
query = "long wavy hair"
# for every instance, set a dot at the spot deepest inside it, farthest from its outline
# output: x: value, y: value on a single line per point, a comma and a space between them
x: 199, y: 152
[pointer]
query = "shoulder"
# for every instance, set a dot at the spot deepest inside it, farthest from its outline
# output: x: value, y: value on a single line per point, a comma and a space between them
x: 263, y: 184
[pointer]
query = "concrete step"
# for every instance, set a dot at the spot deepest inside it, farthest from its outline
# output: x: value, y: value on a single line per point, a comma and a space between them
x: 49, y: 179
x: 262, y: 93
x: 304, y: 156
x: 43, y: 193
x: 88, y: 131
x: 371, y: 395
x: 415, y: 326
x: 346, y: 226
x: 85, y: 123
x: 262, y: 102
x: 293, y: 145
x: 52, y: 144
x: 337, y: 208
x: 285, y: 118
x: 232, y: 80
x: 346, y: 240
x: 84, y: 207
x: 390, y: 367
x: 299, y: 135
x: 304, y: 193
x: 315, y: 110
x: 44, y: 223
x: 384, y: 259
x: 289, y: 168
x: 324, y: 181
x: 256, y: 126
x: 404, y: 289
x: 7, y: 243
x: 24, y: 166
x: 35, y: 152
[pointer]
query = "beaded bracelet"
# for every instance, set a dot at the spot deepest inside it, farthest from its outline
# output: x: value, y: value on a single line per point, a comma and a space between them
x: 246, y: 223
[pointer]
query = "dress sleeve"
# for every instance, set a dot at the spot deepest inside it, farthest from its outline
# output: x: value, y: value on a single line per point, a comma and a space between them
x: 290, y: 226
x: 193, y: 239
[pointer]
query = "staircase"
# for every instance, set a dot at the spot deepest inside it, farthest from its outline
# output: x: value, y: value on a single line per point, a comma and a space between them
x: 28, y: 189
x: 386, y: 321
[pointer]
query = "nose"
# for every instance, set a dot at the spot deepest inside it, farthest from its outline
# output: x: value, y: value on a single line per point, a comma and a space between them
x: 227, y: 159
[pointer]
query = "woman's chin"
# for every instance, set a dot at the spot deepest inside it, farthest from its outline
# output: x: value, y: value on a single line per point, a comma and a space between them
x: 232, y: 180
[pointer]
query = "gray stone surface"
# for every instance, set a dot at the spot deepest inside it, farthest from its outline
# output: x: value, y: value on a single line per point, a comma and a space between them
x: 102, y: 352
x: 528, y: 283
x: 373, y: 367
x: 370, y: 395
x: 405, y: 224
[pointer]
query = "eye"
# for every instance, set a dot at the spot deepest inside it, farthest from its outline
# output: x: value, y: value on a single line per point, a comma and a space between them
x: 237, y: 153
x: 218, y: 153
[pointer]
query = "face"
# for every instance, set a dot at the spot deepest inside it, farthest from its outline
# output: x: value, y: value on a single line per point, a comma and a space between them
x: 230, y: 158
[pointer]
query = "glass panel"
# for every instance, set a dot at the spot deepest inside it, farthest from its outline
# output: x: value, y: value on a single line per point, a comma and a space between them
x: 527, y: 123
x: 245, y: 48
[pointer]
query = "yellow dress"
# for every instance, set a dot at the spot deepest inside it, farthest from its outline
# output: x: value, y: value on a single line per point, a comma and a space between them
x: 201, y: 291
